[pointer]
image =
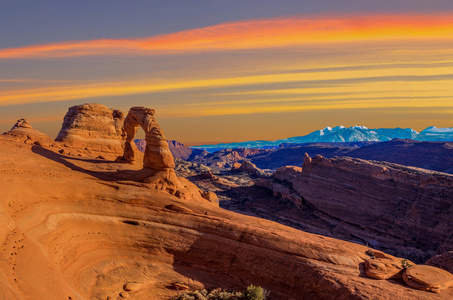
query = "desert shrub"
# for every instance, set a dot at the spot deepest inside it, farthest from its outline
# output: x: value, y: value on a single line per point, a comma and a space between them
x: 405, y: 264
x: 254, y: 293
x: 251, y: 293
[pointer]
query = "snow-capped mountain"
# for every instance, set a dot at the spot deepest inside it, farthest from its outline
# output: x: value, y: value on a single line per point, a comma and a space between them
x: 344, y: 134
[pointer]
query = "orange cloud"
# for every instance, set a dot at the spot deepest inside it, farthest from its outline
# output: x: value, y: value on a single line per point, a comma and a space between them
x: 254, y: 34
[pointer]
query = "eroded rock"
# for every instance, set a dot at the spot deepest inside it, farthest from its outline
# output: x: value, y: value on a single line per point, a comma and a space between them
x: 158, y: 162
x: 22, y: 131
x: 442, y: 261
x: 428, y: 278
x: 93, y: 127
x: 402, y: 210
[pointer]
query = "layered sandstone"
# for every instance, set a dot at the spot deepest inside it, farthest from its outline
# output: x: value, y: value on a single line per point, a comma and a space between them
x: 443, y: 261
x: 74, y: 229
x: 93, y: 127
x: 23, y: 132
x: 158, y: 162
x: 403, y: 210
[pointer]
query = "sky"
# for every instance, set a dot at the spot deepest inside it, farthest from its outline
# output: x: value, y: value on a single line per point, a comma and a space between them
x: 228, y: 71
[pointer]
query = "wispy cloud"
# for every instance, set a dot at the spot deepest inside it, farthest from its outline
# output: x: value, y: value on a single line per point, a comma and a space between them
x: 253, y: 34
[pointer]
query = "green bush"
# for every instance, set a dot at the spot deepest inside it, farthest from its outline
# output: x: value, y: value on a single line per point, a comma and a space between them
x: 254, y: 293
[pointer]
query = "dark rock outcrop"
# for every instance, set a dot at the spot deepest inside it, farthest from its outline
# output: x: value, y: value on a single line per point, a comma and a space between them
x: 443, y: 261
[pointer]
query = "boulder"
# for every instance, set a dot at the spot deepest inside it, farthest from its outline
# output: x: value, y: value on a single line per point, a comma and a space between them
x: 131, y: 286
x: 442, y: 261
x: 428, y: 278
x: 384, y: 268
x: 249, y: 168
x: 22, y: 131
x: 211, y: 197
x: 93, y: 127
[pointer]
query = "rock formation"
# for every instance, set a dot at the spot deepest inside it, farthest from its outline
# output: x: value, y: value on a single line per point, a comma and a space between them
x: 403, y: 210
x: 157, y: 153
x: 93, y: 127
x: 23, y: 132
x: 177, y: 149
x: 423, y: 277
x: 158, y: 162
x: 443, y: 261
x: 428, y: 278
x: 72, y: 229
x: 248, y: 167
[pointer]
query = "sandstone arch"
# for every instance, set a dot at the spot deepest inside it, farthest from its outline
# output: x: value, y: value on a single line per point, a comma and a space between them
x: 157, y: 153
x: 158, y: 163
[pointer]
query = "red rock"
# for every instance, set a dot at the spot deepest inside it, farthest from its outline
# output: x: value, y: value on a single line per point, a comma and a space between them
x: 23, y: 132
x: 92, y: 127
x: 157, y: 153
x: 428, y: 278
x: 442, y: 261
x: 384, y: 268
x: 211, y: 197
x: 247, y: 167
x: 394, y: 207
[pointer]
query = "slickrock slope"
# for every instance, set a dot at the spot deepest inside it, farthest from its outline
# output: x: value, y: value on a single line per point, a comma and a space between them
x: 23, y: 132
x: 402, y: 210
x: 74, y: 228
x: 93, y: 127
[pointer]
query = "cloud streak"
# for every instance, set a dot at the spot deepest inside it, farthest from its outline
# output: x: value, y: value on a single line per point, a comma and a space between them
x: 253, y: 34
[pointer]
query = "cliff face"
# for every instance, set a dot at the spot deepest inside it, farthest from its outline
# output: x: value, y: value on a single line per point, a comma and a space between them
x: 94, y: 127
x: 399, y: 209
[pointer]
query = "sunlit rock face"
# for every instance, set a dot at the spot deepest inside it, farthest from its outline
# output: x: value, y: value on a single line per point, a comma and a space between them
x: 404, y: 210
x: 93, y: 127
x: 22, y: 131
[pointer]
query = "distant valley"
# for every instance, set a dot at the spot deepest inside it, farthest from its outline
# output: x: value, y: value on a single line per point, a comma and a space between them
x: 436, y: 156
x: 343, y: 134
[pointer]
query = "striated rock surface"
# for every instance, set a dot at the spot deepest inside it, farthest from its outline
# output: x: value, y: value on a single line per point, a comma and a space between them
x: 403, y: 210
x: 428, y: 278
x: 443, y: 261
x: 93, y: 127
x: 73, y: 229
x: 23, y: 132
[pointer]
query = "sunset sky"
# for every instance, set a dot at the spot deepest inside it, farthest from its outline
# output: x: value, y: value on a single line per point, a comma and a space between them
x: 226, y: 71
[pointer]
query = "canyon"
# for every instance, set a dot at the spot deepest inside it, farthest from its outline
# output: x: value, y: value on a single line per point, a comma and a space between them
x: 85, y: 219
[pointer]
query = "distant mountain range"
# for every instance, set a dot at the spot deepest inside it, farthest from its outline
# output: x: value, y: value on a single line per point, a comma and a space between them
x: 343, y: 134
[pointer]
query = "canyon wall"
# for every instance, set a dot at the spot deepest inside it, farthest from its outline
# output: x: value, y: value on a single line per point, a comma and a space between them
x: 403, y: 210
